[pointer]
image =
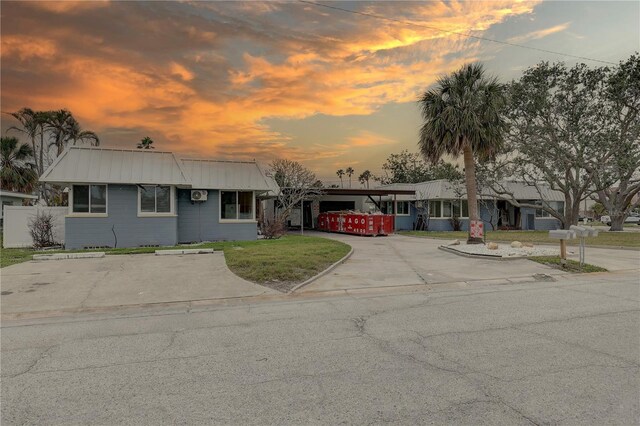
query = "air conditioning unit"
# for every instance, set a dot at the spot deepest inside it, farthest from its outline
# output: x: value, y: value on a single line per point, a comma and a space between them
x: 199, y: 195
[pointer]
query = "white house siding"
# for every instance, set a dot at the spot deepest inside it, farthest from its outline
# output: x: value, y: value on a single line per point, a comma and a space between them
x: 15, y: 232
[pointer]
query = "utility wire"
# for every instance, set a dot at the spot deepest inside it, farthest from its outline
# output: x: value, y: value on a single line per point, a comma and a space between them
x: 506, y: 43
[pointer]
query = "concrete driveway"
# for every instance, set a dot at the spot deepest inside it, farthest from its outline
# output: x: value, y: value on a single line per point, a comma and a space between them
x: 120, y: 280
x: 398, y: 260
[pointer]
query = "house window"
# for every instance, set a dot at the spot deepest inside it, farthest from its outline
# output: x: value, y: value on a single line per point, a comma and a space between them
x: 460, y: 208
x: 558, y: 206
x: 237, y: 205
x: 154, y: 199
x: 448, y: 208
x: 89, y: 199
x: 402, y: 208
x: 435, y: 208
x: 387, y: 207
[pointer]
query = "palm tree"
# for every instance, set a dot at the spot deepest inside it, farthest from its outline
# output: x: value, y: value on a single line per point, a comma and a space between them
x: 462, y: 115
x: 75, y: 134
x: 364, y: 178
x: 16, y: 172
x: 65, y: 128
x: 146, y: 143
x: 340, y: 173
x: 33, y: 125
x: 350, y: 173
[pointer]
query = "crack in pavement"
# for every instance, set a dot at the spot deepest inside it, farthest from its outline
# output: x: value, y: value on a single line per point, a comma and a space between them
x: 172, y: 358
x: 577, y: 346
x: 44, y: 354
x: 387, y: 347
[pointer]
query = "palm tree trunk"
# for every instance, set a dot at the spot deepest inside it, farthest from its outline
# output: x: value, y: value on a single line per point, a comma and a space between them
x: 472, y: 199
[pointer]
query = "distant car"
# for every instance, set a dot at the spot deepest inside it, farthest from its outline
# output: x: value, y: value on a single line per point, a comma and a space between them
x: 630, y: 220
x: 634, y: 220
x: 585, y: 220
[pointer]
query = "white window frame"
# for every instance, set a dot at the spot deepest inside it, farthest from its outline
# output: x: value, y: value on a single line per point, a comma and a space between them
x: 172, y: 203
x: 408, y: 213
x: 89, y: 214
x: 253, y: 206
x: 442, y: 209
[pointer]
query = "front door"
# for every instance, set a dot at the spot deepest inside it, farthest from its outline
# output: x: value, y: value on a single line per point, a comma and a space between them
x: 531, y: 222
x: 308, y: 215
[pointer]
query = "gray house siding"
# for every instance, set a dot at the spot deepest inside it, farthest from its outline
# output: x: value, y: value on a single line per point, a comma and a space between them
x: 123, y: 221
x: 405, y: 223
x: 547, y: 224
x: 439, y: 224
x: 200, y: 221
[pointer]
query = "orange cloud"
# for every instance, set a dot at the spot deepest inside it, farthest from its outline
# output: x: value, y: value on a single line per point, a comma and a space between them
x: 69, y: 6
x: 27, y: 47
x: 533, y: 35
x: 207, y: 95
x: 366, y: 138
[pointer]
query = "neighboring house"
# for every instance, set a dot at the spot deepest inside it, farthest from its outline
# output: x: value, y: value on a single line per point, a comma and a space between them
x: 9, y: 198
x: 132, y: 198
x: 440, y: 200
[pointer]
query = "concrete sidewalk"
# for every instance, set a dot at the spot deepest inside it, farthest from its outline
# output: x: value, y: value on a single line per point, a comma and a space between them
x: 398, y: 260
x: 118, y: 280
x: 611, y: 259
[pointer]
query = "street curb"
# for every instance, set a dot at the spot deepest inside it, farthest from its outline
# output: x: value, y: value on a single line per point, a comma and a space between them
x: 194, y: 305
x: 550, y: 243
x: 180, y: 252
x: 63, y: 256
x: 325, y: 272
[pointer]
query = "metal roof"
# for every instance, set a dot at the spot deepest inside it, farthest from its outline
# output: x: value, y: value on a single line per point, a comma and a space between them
x: 522, y: 191
x: 221, y: 174
x: 365, y: 192
x: 125, y: 166
x: 145, y: 166
x: 446, y: 190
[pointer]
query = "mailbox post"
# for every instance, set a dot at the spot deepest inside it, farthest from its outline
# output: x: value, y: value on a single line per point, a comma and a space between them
x: 566, y: 234
x: 583, y: 232
x: 563, y: 235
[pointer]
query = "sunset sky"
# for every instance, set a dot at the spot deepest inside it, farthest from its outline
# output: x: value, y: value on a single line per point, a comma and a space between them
x: 264, y: 80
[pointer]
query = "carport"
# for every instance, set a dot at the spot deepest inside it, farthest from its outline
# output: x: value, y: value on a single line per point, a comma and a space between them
x: 337, y: 199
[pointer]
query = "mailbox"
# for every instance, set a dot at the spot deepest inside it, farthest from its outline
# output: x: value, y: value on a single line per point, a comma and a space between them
x: 562, y: 234
x: 574, y: 232
x: 585, y: 231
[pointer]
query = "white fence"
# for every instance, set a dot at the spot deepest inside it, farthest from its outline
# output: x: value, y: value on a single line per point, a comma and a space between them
x: 16, y: 219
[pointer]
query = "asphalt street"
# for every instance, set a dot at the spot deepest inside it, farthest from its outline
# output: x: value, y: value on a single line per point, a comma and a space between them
x: 563, y: 352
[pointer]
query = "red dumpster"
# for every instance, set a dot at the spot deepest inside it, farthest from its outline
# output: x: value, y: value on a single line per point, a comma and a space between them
x: 356, y: 223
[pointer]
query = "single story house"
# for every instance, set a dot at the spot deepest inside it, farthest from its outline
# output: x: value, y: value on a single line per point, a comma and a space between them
x: 132, y: 198
x: 10, y: 198
x: 437, y: 202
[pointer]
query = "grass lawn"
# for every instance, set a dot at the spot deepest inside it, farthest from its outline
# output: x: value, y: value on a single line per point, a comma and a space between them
x: 612, y: 239
x: 571, y: 265
x: 279, y: 264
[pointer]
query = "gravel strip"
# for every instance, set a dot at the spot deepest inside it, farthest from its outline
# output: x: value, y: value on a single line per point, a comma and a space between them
x: 505, y: 250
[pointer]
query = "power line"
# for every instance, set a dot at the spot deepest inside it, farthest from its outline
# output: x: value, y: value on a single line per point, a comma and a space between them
x: 506, y: 43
